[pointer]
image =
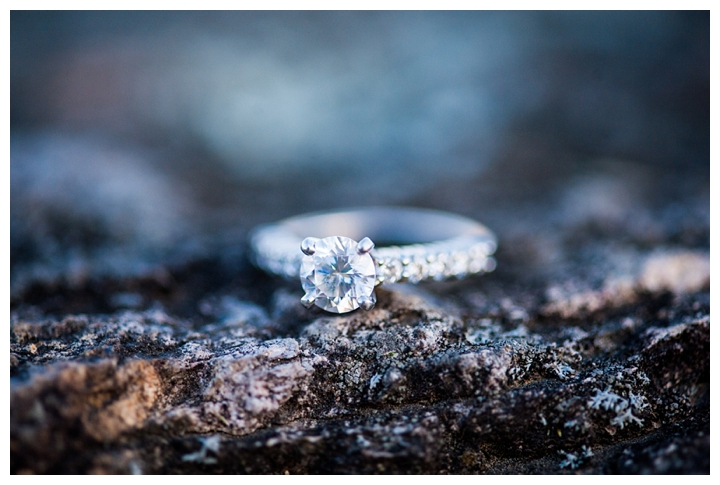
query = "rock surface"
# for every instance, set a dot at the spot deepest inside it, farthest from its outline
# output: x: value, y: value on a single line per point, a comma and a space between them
x: 472, y: 378
x: 143, y: 341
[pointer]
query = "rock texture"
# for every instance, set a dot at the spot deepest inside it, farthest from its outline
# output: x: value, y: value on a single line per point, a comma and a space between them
x: 143, y: 341
x: 608, y: 381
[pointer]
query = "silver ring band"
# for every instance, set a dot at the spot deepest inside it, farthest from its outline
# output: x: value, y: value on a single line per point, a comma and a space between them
x: 405, y: 244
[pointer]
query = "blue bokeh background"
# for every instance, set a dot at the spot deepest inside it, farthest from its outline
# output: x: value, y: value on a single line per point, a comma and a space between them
x: 146, y: 131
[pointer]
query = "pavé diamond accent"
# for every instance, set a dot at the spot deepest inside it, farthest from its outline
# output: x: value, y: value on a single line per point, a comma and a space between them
x: 337, y: 277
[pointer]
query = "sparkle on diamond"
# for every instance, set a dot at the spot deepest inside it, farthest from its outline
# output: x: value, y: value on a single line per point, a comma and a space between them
x: 336, y: 275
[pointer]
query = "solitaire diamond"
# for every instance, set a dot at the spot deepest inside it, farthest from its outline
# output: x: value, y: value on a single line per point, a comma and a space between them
x: 337, y: 276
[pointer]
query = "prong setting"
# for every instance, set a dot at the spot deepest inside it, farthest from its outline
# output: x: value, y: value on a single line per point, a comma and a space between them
x: 307, y: 300
x: 365, y: 245
x: 308, y: 245
x: 367, y: 303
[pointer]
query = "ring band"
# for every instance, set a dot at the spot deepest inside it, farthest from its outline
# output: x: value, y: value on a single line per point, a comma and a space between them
x: 340, y: 256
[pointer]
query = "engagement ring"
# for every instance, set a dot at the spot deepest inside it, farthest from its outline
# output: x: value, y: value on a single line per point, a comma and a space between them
x: 340, y: 257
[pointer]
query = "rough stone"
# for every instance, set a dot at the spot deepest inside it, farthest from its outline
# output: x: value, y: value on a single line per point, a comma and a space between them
x: 408, y: 387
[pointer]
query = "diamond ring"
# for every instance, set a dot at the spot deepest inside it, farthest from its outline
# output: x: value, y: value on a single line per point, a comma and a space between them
x: 341, y: 256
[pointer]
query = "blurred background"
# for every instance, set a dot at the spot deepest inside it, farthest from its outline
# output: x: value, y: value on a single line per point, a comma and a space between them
x: 147, y: 140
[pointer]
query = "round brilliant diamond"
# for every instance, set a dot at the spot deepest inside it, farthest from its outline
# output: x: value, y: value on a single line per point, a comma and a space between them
x: 336, y: 276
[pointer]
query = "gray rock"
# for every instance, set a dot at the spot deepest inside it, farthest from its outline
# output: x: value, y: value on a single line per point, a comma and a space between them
x: 408, y: 387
